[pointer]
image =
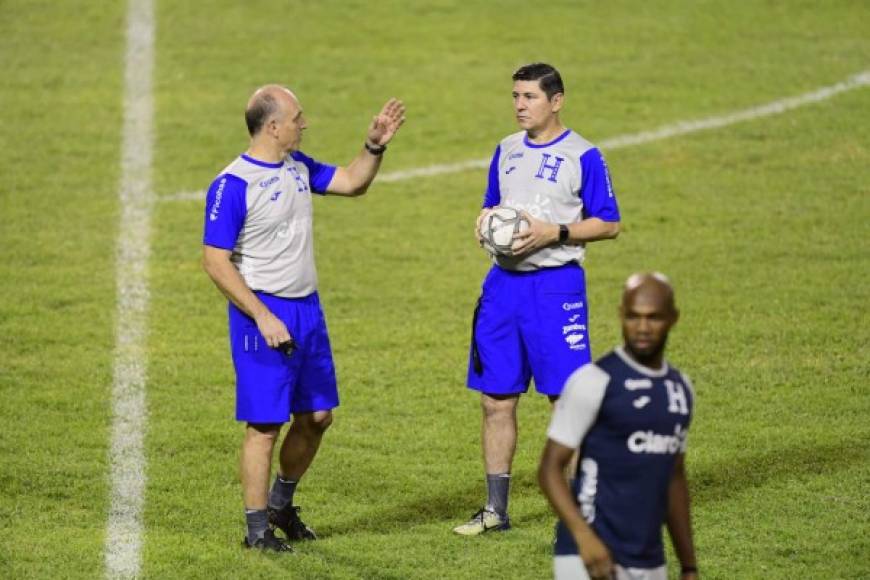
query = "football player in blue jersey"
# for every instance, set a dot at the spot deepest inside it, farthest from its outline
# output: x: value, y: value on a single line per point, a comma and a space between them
x: 258, y: 250
x: 531, y: 319
x: 628, y: 414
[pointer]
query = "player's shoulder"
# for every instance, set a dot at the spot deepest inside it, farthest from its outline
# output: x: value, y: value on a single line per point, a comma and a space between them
x: 590, y: 375
x: 229, y: 181
x: 512, y: 141
x: 683, y: 378
x: 611, y: 362
x: 242, y: 169
x: 576, y: 144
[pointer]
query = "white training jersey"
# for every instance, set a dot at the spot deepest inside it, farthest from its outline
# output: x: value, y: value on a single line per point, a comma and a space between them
x: 563, y: 181
x: 262, y: 212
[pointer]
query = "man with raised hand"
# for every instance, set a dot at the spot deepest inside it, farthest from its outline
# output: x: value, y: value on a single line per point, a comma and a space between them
x: 531, y: 319
x: 258, y: 250
x: 629, y: 414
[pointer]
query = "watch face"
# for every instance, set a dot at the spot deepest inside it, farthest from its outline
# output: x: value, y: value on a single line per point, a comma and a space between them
x: 563, y: 233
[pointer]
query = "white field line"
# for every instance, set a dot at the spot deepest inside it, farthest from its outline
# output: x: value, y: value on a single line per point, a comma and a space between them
x: 665, y: 132
x: 123, y: 543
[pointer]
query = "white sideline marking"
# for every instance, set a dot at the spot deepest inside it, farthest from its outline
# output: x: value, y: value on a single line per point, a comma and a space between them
x: 679, y: 128
x: 123, y: 543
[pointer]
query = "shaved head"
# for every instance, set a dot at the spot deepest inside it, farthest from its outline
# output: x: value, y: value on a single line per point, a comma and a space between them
x: 266, y: 103
x: 648, y: 312
x: 654, y: 283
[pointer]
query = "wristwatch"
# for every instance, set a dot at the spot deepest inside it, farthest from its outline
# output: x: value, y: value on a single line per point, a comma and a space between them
x: 375, y: 150
x: 563, y: 233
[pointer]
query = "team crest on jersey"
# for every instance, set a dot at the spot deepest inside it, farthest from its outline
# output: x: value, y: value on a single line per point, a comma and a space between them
x: 549, y: 169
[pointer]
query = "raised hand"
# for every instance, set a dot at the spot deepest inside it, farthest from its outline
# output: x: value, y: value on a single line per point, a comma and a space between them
x: 386, y: 123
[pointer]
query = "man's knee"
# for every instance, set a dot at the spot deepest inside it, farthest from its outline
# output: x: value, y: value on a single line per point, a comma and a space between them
x: 316, y: 422
x: 262, y: 431
x: 495, y: 406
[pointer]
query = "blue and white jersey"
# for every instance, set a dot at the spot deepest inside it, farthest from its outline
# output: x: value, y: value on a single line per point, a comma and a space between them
x: 563, y: 181
x: 630, y: 422
x: 262, y: 212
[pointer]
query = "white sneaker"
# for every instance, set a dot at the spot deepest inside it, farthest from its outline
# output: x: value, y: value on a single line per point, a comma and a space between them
x: 485, y: 520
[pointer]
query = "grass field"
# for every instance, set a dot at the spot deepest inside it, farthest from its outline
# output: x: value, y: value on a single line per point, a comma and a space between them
x: 762, y: 225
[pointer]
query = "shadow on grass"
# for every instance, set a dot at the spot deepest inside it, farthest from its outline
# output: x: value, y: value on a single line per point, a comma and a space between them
x: 449, y: 506
x: 723, y: 481
x: 441, y: 506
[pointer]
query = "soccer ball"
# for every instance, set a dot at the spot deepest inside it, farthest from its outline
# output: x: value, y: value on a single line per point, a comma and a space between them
x: 497, y: 229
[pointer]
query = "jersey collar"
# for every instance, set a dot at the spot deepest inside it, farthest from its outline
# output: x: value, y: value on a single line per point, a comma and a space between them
x: 626, y: 358
x: 259, y: 163
x: 538, y: 146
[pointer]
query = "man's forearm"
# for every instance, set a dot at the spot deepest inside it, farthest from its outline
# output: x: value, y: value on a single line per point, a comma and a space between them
x: 679, y: 520
x: 355, y: 178
x: 591, y: 230
x: 551, y: 478
x: 231, y: 284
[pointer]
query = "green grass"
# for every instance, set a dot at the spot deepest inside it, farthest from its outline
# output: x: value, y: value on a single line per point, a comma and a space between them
x: 60, y: 118
x: 761, y: 225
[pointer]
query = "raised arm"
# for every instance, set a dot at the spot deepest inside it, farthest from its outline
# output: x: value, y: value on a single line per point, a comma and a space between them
x: 355, y: 178
x: 680, y: 521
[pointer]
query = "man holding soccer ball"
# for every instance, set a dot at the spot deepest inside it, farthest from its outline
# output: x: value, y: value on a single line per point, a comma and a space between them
x: 531, y: 319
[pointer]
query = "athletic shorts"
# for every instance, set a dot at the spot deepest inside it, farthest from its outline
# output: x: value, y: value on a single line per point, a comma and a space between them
x: 270, y: 385
x: 529, y: 325
x: 572, y: 568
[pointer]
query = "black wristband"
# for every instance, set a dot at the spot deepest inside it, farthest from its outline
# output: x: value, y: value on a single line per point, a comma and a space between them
x: 563, y: 233
x: 689, y: 570
x: 375, y: 149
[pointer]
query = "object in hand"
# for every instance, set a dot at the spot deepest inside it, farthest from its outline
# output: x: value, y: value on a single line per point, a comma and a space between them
x: 287, y: 347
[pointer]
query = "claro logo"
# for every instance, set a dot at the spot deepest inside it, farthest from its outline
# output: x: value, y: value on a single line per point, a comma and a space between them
x: 649, y: 442
x: 218, y: 196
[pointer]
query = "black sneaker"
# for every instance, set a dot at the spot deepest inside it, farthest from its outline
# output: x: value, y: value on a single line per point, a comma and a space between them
x: 288, y: 521
x: 268, y: 543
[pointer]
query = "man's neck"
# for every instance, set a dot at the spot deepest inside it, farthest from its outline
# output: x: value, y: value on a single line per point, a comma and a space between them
x: 654, y: 362
x: 546, y: 134
x: 266, y: 153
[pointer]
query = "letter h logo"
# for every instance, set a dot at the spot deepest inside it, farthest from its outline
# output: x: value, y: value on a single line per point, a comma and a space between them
x: 677, y: 402
x: 545, y: 164
x: 301, y: 186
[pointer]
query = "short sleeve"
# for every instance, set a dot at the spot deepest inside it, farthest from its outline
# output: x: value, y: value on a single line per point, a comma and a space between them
x: 319, y: 174
x: 577, y: 407
x: 596, y: 191
x: 492, y: 197
x: 225, y: 211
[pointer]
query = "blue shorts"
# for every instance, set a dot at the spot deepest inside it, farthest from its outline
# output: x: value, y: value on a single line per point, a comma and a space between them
x: 529, y: 325
x: 271, y: 385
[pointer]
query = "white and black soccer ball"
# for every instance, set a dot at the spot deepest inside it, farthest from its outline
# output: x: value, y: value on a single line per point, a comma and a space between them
x: 497, y: 229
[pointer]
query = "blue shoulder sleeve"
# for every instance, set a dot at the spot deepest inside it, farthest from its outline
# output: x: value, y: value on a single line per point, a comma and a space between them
x: 492, y: 197
x: 319, y: 174
x: 596, y: 191
x: 226, y: 206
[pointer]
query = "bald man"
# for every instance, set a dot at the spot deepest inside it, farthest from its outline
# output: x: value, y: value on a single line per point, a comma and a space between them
x: 628, y: 414
x: 258, y: 250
